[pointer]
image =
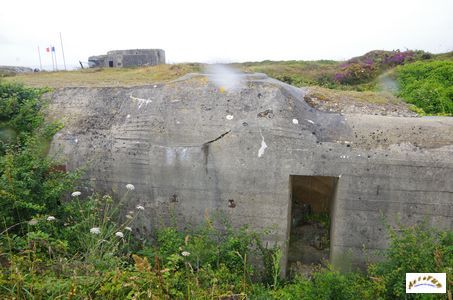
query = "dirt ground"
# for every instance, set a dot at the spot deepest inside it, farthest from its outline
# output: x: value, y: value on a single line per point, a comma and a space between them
x: 309, y: 248
x: 353, y: 102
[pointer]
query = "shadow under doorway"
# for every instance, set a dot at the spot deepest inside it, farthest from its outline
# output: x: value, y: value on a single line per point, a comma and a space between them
x: 312, y: 200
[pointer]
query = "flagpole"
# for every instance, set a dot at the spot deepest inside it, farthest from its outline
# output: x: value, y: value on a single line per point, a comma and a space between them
x: 55, y: 54
x: 62, y: 51
x: 40, y: 63
x: 51, y: 55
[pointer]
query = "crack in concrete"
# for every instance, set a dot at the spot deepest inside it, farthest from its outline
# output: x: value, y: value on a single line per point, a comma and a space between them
x: 205, y: 148
x: 218, y: 138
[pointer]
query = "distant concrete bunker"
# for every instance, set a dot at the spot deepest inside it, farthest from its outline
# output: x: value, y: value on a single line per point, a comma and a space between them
x: 322, y: 182
x: 128, y: 58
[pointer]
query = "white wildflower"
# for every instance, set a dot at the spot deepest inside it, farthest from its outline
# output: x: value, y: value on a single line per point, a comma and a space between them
x: 185, y: 253
x: 229, y: 117
x: 33, y: 222
x: 76, y: 194
x: 128, y: 228
x: 295, y: 121
x: 50, y: 218
x: 119, y: 234
x: 139, y: 207
x: 130, y: 187
x: 129, y: 217
x: 95, y: 230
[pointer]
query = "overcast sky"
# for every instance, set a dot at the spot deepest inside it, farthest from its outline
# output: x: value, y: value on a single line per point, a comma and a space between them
x: 222, y: 30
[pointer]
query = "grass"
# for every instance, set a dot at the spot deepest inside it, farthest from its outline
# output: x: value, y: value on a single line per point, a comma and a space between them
x: 339, y: 96
x: 380, y: 89
x: 294, y: 72
x: 105, y: 77
x: 298, y: 73
x: 443, y: 56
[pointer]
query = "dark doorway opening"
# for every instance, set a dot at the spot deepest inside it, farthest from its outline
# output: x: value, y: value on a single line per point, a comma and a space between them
x: 111, y: 63
x: 312, y: 200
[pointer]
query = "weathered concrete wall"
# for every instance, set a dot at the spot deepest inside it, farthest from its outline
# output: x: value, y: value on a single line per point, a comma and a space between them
x: 185, y: 155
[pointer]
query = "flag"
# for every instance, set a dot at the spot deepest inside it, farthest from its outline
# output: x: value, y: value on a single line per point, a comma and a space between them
x: 47, y: 49
x: 53, y: 49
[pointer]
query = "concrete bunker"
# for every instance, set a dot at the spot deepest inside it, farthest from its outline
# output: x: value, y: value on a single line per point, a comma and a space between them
x: 128, y: 58
x: 311, y: 200
x: 152, y: 136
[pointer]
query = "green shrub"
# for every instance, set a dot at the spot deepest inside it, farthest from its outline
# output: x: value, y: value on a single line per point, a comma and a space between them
x: 29, y: 182
x: 20, y: 106
x: 331, y: 284
x: 204, y: 274
x: 428, y: 85
x: 416, y: 249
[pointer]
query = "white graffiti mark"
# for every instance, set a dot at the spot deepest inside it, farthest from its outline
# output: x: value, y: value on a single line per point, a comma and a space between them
x: 141, y: 101
x: 263, y: 146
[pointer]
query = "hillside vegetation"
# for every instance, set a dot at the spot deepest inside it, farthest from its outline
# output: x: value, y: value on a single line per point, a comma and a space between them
x: 378, y: 73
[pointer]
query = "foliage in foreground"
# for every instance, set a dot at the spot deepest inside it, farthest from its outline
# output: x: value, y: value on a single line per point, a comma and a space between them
x: 30, y: 183
x: 93, y: 255
x: 417, y: 249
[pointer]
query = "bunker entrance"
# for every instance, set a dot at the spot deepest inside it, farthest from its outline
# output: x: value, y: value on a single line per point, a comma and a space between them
x: 111, y: 63
x: 311, y: 206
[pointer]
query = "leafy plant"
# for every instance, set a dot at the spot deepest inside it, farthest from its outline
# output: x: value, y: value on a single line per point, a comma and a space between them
x: 415, y: 249
x: 30, y: 183
x: 428, y: 85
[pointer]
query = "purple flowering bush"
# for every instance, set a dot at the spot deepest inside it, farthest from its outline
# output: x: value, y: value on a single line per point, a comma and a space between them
x: 399, y: 58
x: 367, y: 67
x: 355, y: 73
